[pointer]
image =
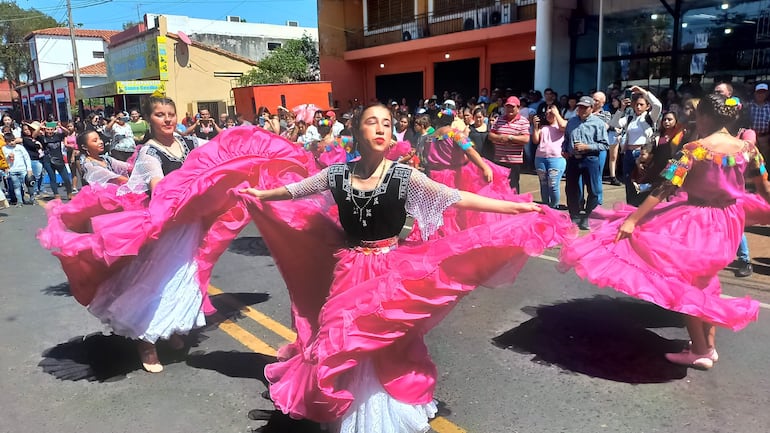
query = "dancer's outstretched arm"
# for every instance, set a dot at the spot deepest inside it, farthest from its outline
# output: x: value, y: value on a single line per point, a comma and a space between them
x: 630, y: 223
x: 274, y: 194
x: 471, y: 201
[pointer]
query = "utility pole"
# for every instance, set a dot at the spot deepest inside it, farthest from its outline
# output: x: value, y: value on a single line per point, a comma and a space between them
x: 75, y: 66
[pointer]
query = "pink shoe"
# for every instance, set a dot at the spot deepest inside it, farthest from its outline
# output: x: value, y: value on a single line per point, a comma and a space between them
x: 691, y: 359
x: 714, y: 354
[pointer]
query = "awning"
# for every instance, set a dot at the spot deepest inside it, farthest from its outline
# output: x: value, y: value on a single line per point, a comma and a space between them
x: 134, y: 87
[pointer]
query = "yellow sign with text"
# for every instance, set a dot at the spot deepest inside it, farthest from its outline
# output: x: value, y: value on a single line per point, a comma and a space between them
x: 141, y: 58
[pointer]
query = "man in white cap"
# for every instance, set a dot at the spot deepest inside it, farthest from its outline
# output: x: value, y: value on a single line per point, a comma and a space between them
x: 585, y: 138
x: 458, y: 122
x: 759, y: 112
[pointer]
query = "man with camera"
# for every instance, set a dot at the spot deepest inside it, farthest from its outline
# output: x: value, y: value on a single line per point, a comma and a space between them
x: 205, y: 127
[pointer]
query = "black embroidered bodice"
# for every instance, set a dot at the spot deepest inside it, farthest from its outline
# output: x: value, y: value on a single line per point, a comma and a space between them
x: 167, y: 162
x: 371, y: 215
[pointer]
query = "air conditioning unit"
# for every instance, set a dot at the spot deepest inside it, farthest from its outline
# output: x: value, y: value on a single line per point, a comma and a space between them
x: 233, y: 18
x: 502, y: 14
x: 411, y: 31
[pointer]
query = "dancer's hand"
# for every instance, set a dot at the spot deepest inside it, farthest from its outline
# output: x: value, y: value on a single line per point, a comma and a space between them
x: 625, y: 230
x: 252, y: 191
x: 528, y: 207
x: 488, y: 175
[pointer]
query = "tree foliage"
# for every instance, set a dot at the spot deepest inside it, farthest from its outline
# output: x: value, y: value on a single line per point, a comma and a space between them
x: 296, y: 61
x: 16, y: 23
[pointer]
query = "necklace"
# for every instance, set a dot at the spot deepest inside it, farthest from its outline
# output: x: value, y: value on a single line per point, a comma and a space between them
x: 363, y: 211
x: 171, y: 150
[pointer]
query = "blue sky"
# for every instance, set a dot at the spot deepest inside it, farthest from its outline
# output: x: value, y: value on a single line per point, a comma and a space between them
x: 111, y: 14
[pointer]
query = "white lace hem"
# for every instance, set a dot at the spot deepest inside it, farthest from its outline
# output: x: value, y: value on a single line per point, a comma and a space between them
x: 157, y: 294
x: 375, y: 411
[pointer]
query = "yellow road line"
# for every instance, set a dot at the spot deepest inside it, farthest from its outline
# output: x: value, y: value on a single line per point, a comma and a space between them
x: 286, y: 333
x: 247, y: 339
x: 442, y: 425
x: 439, y: 424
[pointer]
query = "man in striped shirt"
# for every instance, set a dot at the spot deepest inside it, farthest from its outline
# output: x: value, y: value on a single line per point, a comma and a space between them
x: 509, y: 135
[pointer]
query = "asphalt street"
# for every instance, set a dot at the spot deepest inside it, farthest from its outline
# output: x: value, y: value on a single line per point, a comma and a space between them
x: 548, y: 354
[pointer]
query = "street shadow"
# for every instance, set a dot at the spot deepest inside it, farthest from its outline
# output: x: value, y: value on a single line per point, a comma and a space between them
x: 61, y: 289
x: 102, y: 358
x: 244, y: 365
x: 230, y: 305
x: 107, y: 358
x: 251, y: 246
x: 277, y: 422
x: 601, y: 337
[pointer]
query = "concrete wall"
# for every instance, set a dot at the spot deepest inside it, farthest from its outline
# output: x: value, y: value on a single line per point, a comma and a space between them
x: 184, y: 84
x: 252, y: 47
x: 53, y: 54
x: 245, y: 39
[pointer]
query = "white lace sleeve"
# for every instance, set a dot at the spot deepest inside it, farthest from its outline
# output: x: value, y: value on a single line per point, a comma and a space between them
x: 95, y: 174
x: 146, y: 168
x: 426, y: 201
x: 120, y: 167
x: 311, y: 185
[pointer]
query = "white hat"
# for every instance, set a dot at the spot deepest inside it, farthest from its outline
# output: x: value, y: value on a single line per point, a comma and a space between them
x: 449, y: 104
x: 760, y: 86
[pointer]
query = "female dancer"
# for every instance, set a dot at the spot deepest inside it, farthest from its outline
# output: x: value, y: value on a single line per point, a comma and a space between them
x: 452, y: 160
x: 670, y: 253
x: 99, y: 168
x: 153, y: 292
x: 347, y: 367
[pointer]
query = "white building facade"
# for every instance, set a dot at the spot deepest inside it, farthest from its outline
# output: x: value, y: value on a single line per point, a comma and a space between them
x: 51, y: 88
x: 251, y: 40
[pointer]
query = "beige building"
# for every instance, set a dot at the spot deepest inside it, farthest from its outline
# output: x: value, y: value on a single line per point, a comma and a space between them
x: 142, y: 60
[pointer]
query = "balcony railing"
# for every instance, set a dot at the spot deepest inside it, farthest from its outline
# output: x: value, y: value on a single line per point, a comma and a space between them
x: 445, y: 22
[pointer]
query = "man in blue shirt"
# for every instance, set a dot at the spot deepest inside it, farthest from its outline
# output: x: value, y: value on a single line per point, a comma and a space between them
x: 585, y: 138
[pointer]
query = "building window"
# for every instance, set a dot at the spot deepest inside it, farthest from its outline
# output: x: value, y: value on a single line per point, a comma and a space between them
x: 388, y: 13
x: 446, y: 7
x: 98, y: 54
x: 273, y: 46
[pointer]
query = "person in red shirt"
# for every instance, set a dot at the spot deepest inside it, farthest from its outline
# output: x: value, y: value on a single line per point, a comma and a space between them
x: 509, y: 135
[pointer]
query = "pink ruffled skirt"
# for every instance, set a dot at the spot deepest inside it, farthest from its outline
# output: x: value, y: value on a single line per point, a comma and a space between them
x: 671, y: 259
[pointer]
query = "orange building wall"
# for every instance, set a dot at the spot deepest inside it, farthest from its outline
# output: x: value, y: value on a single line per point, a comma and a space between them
x: 347, y: 78
x: 269, y: 95
x: 353, y: 73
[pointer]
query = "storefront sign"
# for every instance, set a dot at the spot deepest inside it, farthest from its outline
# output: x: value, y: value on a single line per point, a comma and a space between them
x: 130, y: 87
x: 138, y: 59
x: 137, y: 87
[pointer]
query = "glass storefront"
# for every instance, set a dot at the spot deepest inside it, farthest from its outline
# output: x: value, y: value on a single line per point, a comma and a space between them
x: 718, y: 41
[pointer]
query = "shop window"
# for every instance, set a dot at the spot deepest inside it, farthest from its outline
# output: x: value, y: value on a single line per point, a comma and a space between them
x: 271, y: 46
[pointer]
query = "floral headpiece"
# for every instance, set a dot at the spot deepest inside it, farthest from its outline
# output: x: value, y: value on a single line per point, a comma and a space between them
x: 446, y: 112
x: 733, y: 101
x: 324, y: 122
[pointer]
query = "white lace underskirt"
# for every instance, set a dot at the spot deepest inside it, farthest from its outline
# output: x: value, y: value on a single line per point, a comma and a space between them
x: 375, y: 411
x: 157, y: 294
